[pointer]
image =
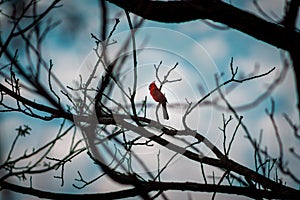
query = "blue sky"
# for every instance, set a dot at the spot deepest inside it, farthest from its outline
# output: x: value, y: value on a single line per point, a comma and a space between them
x: 201, y: 52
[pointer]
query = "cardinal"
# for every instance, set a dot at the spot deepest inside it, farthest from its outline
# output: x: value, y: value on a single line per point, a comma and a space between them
x: 158, y: 96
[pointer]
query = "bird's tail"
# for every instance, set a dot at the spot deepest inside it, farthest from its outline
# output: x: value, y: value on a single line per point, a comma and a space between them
x: 165, y: 112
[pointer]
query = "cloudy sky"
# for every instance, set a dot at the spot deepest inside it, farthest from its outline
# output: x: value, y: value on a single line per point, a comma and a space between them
x: 201, y: 52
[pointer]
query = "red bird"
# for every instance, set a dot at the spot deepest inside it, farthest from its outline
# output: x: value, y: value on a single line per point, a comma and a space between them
x: 159, y: 97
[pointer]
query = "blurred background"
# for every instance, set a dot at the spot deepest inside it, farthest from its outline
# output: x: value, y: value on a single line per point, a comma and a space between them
x: 201, y: 49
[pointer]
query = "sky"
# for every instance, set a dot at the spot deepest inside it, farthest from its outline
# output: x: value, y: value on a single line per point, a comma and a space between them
x: 201, y: 51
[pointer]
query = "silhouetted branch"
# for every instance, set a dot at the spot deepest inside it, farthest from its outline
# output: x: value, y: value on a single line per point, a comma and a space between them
x: 91, y: 119
x: 156, y: 186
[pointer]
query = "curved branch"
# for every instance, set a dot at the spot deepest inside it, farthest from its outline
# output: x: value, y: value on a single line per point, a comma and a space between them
x: 222, y: 162
x: 218, y: 11
x: 156, y: 186
x: 37, y: 106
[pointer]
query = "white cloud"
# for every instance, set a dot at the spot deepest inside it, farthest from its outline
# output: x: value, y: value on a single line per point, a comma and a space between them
x: 216, y: 47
